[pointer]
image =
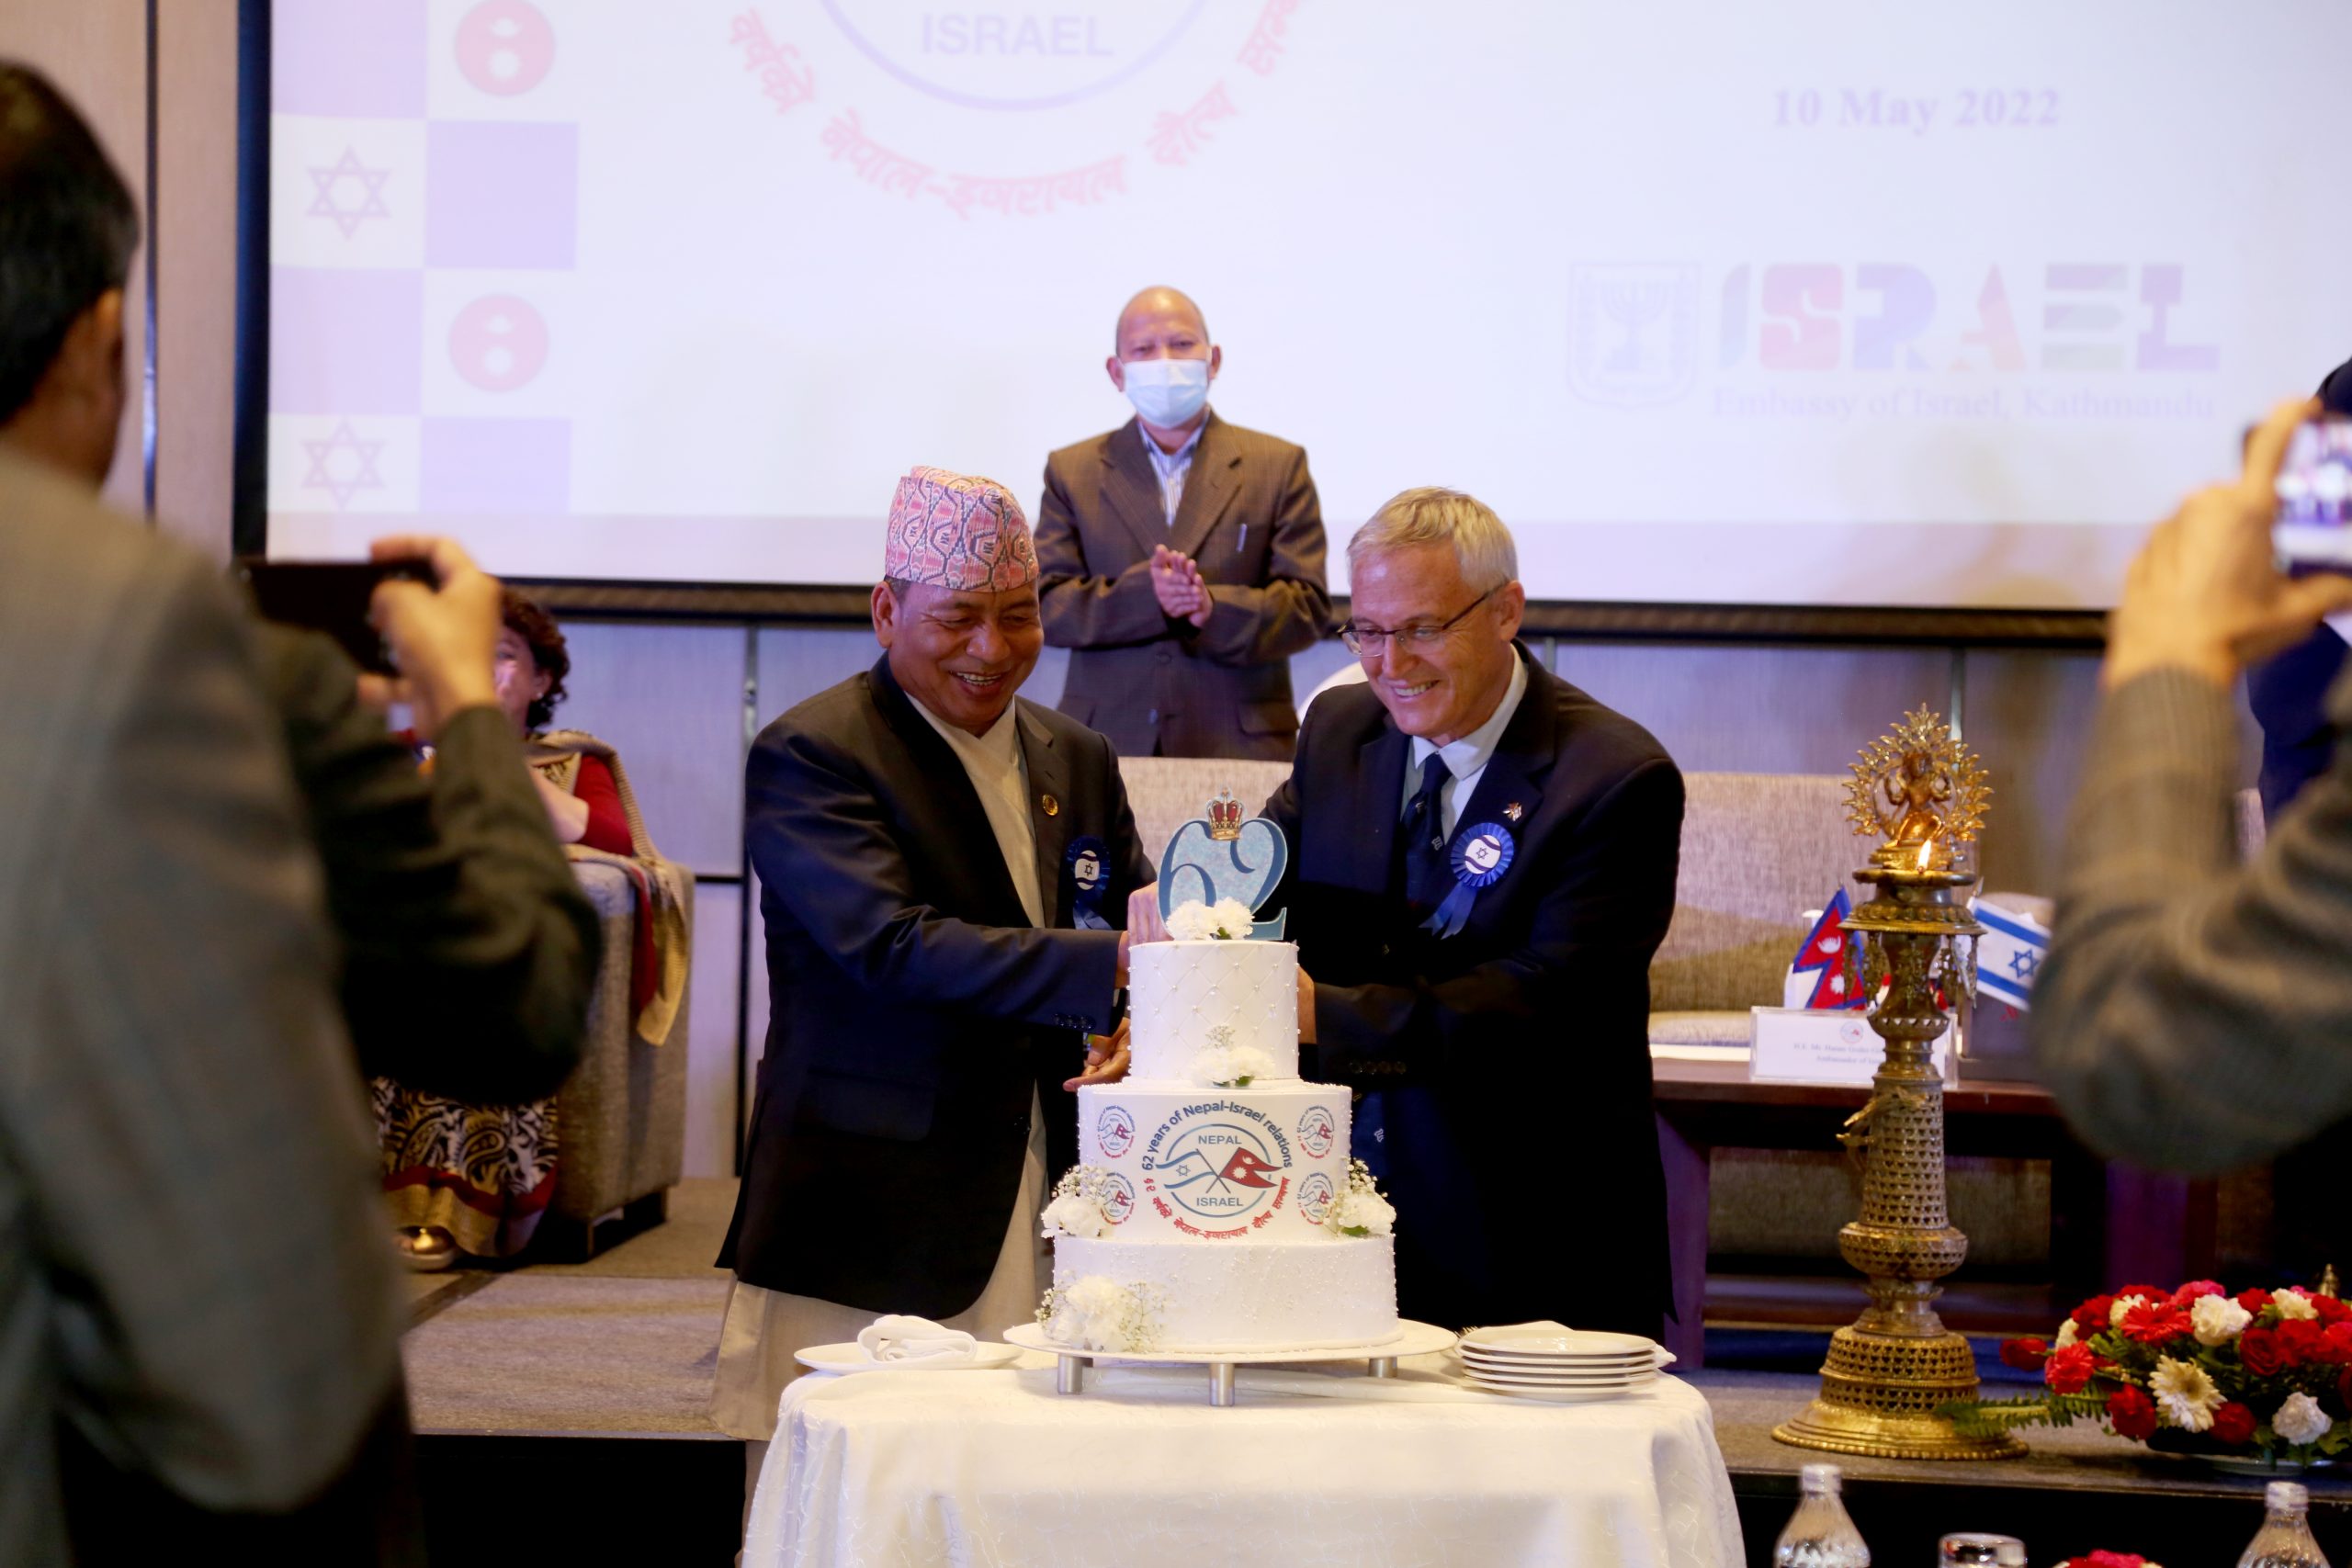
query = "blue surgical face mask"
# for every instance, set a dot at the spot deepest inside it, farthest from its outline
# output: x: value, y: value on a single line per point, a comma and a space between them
x: 1166, y: 393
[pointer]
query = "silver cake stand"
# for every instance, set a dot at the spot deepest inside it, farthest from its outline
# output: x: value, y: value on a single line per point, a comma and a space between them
x: 1379, y: 1357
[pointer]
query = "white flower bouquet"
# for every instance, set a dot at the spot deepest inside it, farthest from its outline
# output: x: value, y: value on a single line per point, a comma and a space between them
x: 1092, y: 1313
x: 1077, y: 1207
x: 1360, y: 1210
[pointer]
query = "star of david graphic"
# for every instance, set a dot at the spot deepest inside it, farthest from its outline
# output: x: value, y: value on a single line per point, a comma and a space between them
x: 346, y: 177
x: 2024, y: 962
x: 343, y: 479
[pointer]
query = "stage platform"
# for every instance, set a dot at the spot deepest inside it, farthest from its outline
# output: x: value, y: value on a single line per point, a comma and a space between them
x: 562, y: 1413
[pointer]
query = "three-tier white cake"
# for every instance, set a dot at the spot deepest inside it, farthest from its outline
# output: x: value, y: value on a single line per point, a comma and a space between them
x: 1222, y: 1202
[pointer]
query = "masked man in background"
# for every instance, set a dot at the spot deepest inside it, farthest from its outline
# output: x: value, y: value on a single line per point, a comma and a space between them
x: 1181, y: 557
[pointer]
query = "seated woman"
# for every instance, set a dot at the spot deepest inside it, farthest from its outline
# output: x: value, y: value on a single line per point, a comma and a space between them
x: 476, y: 1179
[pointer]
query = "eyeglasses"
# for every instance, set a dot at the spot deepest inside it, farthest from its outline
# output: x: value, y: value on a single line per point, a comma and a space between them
x: 1369, y: 641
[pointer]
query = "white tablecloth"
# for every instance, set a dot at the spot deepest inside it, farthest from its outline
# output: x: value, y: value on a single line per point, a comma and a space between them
x: 1309, y: 1468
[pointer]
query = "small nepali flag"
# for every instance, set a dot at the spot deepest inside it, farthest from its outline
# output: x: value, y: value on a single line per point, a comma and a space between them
x: 2009, y: 954
x: 1826, y: 973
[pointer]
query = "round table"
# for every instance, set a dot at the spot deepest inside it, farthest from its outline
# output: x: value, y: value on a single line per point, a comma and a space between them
x: 1310, y: 1466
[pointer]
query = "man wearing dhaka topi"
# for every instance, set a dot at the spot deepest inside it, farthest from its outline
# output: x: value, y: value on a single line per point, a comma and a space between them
x: 942, y: 870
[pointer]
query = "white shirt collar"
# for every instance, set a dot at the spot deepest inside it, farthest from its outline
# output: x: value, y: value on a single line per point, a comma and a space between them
x: 1468, y: 755
x: 1000, y: 744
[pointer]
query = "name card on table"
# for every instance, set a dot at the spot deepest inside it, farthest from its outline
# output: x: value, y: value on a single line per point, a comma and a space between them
x: 1819, y: 1045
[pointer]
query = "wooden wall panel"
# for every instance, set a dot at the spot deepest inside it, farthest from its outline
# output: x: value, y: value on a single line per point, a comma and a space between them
x: 796, y: 662
x: 2029, y: 715
x: 96, y: 52
x: 671, y: 699
x: 1759, y: 710
x: 710, y: 1044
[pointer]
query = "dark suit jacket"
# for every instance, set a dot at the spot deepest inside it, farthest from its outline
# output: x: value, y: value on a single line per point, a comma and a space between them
x: 469, y: 950
x: 2287, y: 693
x: 1512, y: 1059
x: 1161, y: 687
x: 914, y: 1006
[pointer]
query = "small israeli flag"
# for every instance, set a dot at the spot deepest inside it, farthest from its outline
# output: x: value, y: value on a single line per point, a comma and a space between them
x: 2009, y: 953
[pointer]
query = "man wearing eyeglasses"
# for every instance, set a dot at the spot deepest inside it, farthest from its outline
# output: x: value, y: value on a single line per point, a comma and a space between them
x: 1483, y: 862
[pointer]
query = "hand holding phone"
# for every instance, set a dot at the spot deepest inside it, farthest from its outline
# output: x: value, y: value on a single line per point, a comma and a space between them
x: 2206, y: 595
x: 444, y: 638
x: 2312, y: 525
x: 331, y: 597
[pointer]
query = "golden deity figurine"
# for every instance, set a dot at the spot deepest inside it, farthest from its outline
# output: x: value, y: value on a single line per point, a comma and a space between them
x: 1890, y: 1373
x: 1918, y: 790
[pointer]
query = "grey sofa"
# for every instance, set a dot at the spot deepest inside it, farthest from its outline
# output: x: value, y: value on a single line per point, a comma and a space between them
x: 621, y: 1117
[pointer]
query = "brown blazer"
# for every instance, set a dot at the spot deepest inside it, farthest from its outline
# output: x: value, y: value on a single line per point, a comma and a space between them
x: 193, y: 1270
x: 1159, y: 687
x: 2195, y: 1013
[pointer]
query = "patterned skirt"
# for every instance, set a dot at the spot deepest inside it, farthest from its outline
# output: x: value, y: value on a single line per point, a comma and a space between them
x: 483, y: 1173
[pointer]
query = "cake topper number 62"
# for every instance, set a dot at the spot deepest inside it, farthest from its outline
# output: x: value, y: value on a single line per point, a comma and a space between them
x: 1221, y: 856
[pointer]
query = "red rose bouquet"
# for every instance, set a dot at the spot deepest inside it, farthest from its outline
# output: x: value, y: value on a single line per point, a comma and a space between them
x: 2263, y: 1375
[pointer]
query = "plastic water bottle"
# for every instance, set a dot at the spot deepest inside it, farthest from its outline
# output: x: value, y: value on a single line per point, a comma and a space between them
x: 2285, y: 1539
x: 1820, y: 1534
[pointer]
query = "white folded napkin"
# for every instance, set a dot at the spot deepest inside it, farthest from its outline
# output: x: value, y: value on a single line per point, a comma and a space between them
x: 893, y: 1337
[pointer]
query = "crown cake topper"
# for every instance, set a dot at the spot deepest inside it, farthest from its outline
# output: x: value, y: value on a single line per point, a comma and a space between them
x: 1223, y: 856
x: 1224, y: 816
x: 1918, y: 789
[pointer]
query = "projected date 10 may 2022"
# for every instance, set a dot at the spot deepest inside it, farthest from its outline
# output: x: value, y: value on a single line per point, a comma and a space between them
x: 1879, y: 109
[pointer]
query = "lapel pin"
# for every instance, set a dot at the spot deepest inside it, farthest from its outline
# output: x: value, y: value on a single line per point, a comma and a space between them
x: 1052, y: 807
x: 1512, y: 811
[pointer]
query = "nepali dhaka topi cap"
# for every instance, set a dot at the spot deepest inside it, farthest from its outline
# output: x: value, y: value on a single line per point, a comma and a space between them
x: 959, y: 532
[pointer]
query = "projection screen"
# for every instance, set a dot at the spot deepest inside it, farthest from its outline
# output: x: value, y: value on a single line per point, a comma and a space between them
x: 1810, y: 303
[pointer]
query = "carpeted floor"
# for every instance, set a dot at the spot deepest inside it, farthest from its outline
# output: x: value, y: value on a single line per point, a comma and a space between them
x: 622, y: 1345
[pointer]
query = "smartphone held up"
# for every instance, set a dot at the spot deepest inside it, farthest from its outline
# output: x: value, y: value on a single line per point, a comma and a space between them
x: 333, y: 597
x: 2312, y: 529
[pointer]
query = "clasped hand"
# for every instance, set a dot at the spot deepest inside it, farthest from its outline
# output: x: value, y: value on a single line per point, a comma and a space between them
x: 1176, y: 578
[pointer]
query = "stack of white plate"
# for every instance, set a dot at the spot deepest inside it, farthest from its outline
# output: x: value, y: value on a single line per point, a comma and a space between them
x: 1568, y: 1366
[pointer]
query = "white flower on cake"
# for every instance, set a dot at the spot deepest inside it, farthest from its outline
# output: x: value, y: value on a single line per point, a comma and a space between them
x: 1229, y: 919
x: 1092, y: 1312
x: 1360, y: 1210
x: 1227, y: 1065
x: 2300, y: 1420
x: 2185, y: 1394
x: 1077, y: 1206
x: 2215, y: 1320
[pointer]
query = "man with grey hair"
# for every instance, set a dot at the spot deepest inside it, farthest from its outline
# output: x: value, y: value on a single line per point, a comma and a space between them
x: 1181, y: 557
x: 1482, y: 864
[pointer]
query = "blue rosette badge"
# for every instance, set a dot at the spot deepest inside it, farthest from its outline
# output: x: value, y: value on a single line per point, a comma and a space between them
x: 1478, y: 855
x: 1222, y: 856
x: 1087, y: 864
